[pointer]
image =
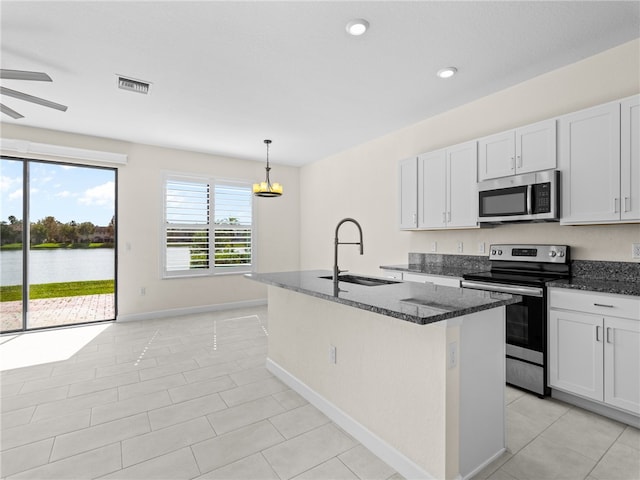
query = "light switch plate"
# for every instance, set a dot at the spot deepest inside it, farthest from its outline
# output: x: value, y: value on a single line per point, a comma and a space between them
x: 635, y: 251
x: 434, y: 246
x: 460, y: 247
x: 480, y: 247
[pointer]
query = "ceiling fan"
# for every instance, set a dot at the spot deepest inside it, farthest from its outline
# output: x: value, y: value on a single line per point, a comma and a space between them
x: 24, y: 75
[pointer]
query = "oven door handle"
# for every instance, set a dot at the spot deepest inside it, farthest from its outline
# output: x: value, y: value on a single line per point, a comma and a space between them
x: 512, y: 289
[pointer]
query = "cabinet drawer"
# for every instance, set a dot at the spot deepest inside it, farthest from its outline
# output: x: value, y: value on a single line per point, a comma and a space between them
x: 395, y: 274
x: 437, y: 279
x: 595, y: 303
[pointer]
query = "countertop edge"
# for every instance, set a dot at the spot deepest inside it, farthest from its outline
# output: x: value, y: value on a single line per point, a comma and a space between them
x: 384, y: 311
x: 599, y: 286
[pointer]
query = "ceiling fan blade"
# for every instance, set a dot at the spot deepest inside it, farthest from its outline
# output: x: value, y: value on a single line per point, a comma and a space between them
x: 32, y: 99
x: 9, y: 111
x: 24, y: 75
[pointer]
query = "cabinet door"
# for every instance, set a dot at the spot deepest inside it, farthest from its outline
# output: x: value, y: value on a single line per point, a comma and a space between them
x: 576, y: 353
x: 536, y: 147
x: 431, y: 190
x: 589, y: 143
x: 496, y: 156
x: 462, y: 188
x: 408, y: 193
x: 630, y: 158
x: 622, y: 363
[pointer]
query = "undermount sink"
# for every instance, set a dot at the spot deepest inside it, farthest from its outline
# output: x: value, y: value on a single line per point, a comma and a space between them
x: 366, y: 281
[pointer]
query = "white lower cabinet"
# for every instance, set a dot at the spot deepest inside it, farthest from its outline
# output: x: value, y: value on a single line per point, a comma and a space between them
x: 594, y: 351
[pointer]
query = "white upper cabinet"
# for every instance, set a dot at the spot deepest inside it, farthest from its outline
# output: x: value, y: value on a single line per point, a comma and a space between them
x: 408, y: 193
x: 432, y: 177
x: 630, y: 159
x: 600, y: 163
x: 523, y: 150
x: 462, y: 190
x: 447, y: 189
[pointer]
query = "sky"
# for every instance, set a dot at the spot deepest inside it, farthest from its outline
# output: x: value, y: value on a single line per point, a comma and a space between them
x: 65, y: 192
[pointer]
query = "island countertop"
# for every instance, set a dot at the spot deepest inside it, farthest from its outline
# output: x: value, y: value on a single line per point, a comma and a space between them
x: 413, y: 302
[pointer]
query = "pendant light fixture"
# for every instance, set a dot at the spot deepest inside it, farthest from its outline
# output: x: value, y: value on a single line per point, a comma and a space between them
x: 267, y: 189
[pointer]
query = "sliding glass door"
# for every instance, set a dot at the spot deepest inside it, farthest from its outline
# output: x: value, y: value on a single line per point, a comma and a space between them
x: 62, y: 269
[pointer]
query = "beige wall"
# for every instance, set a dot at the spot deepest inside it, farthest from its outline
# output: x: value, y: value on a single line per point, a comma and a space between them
x: 362, y: 182
x: 296, y: 231
x: 140, y: 224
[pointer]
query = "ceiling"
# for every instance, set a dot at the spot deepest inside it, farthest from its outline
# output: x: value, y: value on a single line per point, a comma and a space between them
x: 226, y: 75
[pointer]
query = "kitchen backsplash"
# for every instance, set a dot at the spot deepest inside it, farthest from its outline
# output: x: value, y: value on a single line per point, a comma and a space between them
x: 471, y: 262
x: 591, y: 269
x: 599, y: 270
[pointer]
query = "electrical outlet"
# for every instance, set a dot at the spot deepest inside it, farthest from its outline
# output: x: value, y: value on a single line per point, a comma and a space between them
x: 452, y: 355
x: 143, y: 291
x: 434, y: 246
x: 481, y: 247
x: 333, y: 355
x: 460, y: 249
x: 635, y: 251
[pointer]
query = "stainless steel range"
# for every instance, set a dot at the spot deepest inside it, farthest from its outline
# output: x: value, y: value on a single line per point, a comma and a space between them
x: 524, y: 270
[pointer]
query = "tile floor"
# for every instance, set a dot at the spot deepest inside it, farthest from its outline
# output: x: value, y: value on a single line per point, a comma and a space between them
x: 190, y: 398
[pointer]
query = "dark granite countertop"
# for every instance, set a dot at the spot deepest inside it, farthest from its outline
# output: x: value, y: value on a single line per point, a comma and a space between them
x: 409, y: 301
x: 621, y: 278
x: 429, y: 269
x: 598, y: 285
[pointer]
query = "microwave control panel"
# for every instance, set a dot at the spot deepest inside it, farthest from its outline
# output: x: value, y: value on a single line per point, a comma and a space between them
x: 542, y: 198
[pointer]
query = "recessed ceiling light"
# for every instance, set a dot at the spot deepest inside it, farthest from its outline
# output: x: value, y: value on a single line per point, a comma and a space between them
x: 447, y: 72
x: 357, y: 27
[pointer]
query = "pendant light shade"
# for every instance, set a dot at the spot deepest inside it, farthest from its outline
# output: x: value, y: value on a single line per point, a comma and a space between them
x: 266, y: 188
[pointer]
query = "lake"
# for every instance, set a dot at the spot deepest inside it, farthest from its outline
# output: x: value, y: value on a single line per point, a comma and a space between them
x: 58, y: 265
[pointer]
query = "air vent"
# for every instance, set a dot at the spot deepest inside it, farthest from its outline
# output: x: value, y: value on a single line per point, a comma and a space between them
x: 132, y: 85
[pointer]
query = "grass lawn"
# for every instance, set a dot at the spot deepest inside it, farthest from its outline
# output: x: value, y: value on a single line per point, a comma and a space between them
x: 55, y: 290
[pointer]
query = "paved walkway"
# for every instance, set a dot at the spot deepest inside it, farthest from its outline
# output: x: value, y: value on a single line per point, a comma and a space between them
x: 51, y: 312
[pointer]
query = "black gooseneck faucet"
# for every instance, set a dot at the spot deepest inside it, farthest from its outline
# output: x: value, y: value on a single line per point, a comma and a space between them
x: 336, y: 270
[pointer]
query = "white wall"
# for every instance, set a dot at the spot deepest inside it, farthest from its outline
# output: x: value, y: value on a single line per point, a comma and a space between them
x: 140, y: 228
x: 362, y: 182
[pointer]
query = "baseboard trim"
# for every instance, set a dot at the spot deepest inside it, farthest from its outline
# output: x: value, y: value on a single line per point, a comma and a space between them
x: 177, y: 312
x: 394, y: 458
x: 595, y: 407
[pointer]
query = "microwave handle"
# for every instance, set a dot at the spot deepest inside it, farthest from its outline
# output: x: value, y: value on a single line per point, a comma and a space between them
x: 529, y: 199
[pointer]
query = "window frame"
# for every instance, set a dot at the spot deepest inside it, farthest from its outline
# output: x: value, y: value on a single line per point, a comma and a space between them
x: 212, y: 269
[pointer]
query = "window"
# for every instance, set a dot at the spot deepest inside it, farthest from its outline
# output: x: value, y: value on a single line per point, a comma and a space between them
x: 208, y: 226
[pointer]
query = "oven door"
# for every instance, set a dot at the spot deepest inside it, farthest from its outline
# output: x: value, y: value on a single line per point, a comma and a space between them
x: 525, y: 330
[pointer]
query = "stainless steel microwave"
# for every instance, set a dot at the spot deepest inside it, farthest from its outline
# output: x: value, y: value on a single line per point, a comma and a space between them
x: 532, y: 197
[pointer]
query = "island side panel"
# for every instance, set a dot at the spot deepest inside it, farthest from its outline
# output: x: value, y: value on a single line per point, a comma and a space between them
x: 482, y: 390
x: 390, y: 375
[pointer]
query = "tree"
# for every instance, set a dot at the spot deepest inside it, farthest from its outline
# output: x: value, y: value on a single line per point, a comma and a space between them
x: 52, y: 227
x: 68, y: 232
x: 38, y: 233
x: 111, y: 228
x: 86, y: 230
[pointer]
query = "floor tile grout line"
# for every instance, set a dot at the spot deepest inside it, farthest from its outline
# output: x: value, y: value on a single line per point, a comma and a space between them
x: 606, y: 451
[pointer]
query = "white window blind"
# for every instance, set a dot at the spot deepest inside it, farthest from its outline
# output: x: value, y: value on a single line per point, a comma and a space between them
x: 208, y: 226
x: 233, y: 226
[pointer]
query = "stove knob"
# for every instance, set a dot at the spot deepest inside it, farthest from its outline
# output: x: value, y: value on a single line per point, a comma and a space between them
x: 561, y: 253
x: 499, y: 252
x: 493, y: 252
x: 552, y: 253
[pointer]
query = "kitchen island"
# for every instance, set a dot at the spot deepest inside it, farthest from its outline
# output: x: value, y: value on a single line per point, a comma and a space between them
x: 414, y: 371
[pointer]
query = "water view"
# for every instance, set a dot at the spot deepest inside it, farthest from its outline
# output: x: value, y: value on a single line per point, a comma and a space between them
x: 58, y: 265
